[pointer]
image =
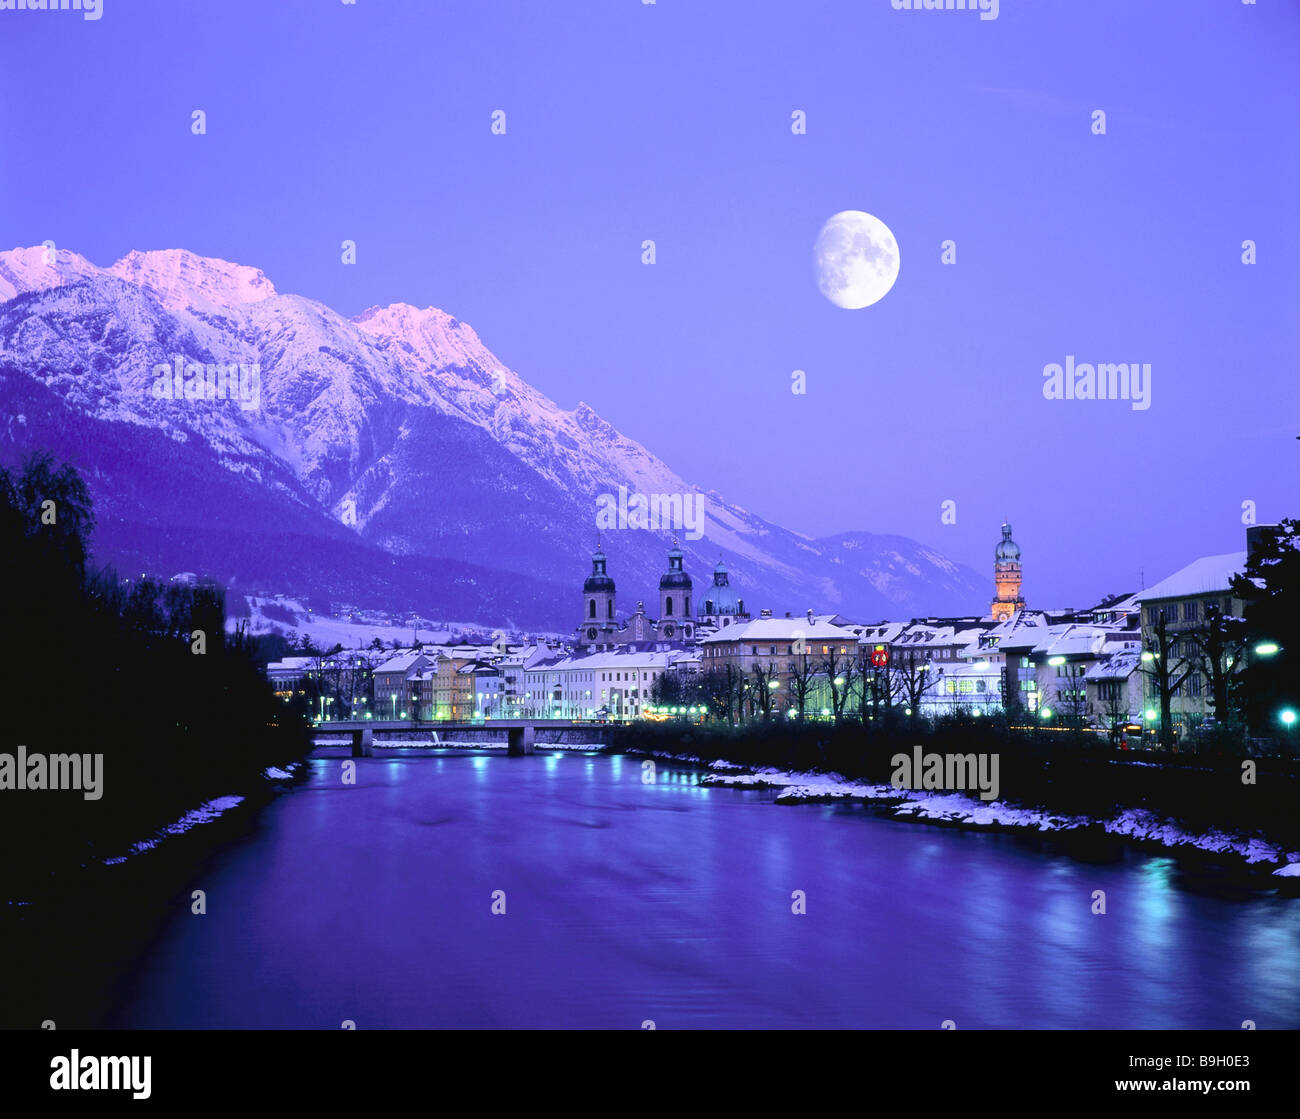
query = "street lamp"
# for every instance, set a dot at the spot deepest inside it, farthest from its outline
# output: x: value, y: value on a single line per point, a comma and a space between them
x: 1267, y: 648
x: 1288, y: 717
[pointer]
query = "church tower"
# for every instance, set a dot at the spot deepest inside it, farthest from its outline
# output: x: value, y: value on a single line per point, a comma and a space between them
x: 676, y: 621
x: 1006, y: 577
x: 597, y: 600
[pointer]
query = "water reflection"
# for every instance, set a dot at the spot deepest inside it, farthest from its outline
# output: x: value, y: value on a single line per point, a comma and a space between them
x: 676, y: 901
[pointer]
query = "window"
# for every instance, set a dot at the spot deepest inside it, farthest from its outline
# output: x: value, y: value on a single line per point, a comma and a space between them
x: 1191, y: 611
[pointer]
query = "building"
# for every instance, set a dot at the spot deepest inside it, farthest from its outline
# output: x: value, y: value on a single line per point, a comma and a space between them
x: 453, y: 687
x: 768, y: 651
x: 1006, y: 577
x: 616, y: 684
x: 398, y: 684
x: 1175, y: 609
x: 600, y: 630
x: 288, y: 675
x: 1115, y: 689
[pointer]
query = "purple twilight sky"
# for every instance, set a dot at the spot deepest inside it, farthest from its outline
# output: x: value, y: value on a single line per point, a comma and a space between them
x: 672, y: 121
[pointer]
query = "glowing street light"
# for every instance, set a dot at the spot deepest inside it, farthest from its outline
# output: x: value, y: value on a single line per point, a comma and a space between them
x: 1046, y: 712
x: 1151, y: 715
x: 1288, y: 717
x: 1267, y: 648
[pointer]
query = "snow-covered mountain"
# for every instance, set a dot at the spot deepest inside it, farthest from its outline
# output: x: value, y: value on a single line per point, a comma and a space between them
x: 391, y: 456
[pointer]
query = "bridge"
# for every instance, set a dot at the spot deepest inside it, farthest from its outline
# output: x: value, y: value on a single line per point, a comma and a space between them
x: 520, y: 734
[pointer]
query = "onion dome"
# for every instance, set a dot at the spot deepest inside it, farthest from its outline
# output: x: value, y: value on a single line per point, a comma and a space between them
x: 599, y: 579
x: 675, y: 578
x: 1008, y: 550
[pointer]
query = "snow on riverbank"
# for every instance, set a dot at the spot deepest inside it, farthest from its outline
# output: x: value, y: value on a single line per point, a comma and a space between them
x: 1137, y: 825
x: 204, y: 814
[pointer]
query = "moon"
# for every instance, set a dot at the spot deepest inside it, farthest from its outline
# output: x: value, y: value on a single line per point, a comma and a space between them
x: 856, y: 259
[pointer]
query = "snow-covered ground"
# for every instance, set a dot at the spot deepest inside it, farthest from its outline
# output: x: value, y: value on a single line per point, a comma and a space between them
x: 291, y: 616
x: 204, y: 814
x: 953, y: 808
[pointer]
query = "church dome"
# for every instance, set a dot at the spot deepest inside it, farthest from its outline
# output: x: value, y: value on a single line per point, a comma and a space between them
x: 721, y: 598
x: 675, y: 578
x: 598, y: 580
x: 1008, y: 550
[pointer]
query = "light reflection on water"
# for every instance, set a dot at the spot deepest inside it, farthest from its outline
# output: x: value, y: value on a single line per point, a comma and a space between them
x: 673, y: 901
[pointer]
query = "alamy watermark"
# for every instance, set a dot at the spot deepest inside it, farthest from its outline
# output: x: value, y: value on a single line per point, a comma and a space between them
x: 89, y: 9
x: 988, y: 9
x: 1109, y: 381
x: 193, y: 380
x: 949, y: 772
x: 681, y: 512
x: 83, y: 772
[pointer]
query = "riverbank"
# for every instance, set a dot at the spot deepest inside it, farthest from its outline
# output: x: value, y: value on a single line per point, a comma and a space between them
x: 81, y: 936
x: 1247, y: 859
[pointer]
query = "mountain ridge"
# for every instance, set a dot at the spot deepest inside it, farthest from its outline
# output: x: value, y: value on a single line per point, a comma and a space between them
x: 401, y: 428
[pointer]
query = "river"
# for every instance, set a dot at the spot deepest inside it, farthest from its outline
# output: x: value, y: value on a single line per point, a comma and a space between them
x: 671, y: 903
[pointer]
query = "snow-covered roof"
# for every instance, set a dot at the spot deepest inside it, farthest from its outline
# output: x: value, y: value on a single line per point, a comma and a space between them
x: 616, y: 660
x: 290, y: 664
x: 1117, y: 666
x: 1021, y: 631
x: 882, y: 633
x: 1071, y: 640
x: 782, y: 630
x: 1207, y: 575
x: 403, y: 662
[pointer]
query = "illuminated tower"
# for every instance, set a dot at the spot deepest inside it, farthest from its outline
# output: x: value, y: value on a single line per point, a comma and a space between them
x: 597, y: 599
x: 676, y: 620
x: 1006, y: 577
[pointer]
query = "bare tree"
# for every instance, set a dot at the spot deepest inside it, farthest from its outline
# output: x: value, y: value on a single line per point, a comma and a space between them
x: 1216, y: 647
x: 880, y: 688
x: 800, y: 675
x: 762, y: 680
x: 1166, y: 673
x: 916, y: 676
x: 841, y: 671
x: 1071, y: 696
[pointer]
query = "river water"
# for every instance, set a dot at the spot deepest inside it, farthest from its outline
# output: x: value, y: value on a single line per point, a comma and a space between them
x: 669, y: 902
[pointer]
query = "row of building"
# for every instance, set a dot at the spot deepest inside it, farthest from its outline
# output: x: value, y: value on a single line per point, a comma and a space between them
x: 1070, y: 666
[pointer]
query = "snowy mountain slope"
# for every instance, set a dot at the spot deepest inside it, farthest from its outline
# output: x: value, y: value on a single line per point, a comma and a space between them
x: 402, y: 424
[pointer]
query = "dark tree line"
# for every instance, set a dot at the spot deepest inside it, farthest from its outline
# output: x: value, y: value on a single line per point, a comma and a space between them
x: 140, y: 671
